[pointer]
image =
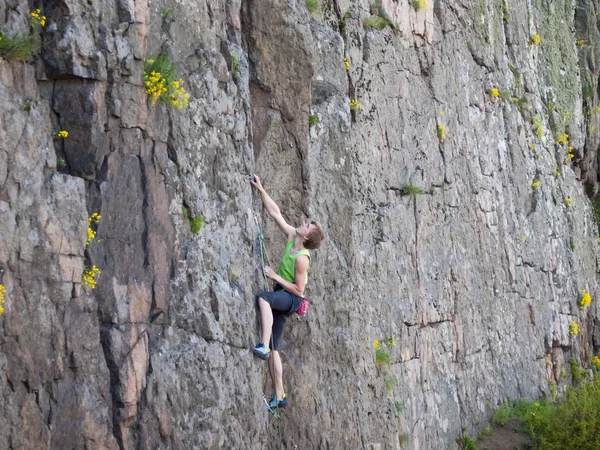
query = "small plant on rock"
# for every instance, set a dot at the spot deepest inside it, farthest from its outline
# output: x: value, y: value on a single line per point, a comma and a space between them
x: 377, y: 22
x: 2, y: 292
x: 37, y: 18
x: 441, y: 132
x: 382, y: 356
x: 418, y: 5
x: 584, y: 298
x: 17, y: 47
x: 573, y: 328
x: 410, y: 189
x: 312, y: 120
x: 89, y: 276
x: 160, y: 79
x: 355, y: 106
x: 93, y: 222
x: 234, y: 66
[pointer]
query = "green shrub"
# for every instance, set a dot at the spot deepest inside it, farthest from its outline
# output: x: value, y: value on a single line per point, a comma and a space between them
x: 312, y: 120
x: 571, y: 422
x: 17, y: 47
x: 577, y: 373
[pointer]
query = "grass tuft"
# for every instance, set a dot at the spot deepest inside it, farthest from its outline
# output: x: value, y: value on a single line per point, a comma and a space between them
x: 411, y: 189
x: 17, y: 47
x: 377, y: 22
x: 382, y: 357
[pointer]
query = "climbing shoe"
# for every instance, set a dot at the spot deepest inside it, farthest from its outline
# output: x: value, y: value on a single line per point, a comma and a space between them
x: 262, y: 351
x: 274, y: 403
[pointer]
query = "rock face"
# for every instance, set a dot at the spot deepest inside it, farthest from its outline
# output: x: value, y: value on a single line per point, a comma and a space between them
x: 476, y: 278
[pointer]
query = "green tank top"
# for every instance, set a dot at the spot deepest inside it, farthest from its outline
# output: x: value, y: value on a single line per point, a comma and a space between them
x: 287, y: 266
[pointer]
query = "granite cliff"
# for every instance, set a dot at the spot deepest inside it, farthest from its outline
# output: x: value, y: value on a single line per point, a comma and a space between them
x: 458, y: 216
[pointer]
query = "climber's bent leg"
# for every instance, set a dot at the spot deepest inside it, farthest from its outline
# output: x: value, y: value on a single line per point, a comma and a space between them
x: 266, y: 320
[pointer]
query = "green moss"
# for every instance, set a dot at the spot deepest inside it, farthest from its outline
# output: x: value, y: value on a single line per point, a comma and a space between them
x: 196, y: 224
x: 234, y: 66
x: 390, y: 383
x: 312, y: 120
x: 313, y: 6
x: 403, y: 439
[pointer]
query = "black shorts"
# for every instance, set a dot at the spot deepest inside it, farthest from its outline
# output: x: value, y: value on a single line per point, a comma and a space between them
x: 282, y: 304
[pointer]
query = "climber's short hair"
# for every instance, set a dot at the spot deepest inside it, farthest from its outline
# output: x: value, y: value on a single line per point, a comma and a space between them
x: 314, y: 237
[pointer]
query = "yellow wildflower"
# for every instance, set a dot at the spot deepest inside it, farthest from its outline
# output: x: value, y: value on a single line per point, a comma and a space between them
x: 563, y: 140
x: 573, y: 328
x: 584, y: 299
x: 535, y: 184
x: 2, y: 291
x: 37, y: 18
x: 62, y: 134
x: 596, y: 362
x: 376, y: 344
x: 580, y: 43
x: 535, y: 39
x: 346, y: 64
x: 494, y: 92
x: 355, y: 106
x: 441, y: 132
x: 568, y: 201
x: 91, y: 233
x: 538, y: 128
x: 89, y: 276
x: 179, y: 97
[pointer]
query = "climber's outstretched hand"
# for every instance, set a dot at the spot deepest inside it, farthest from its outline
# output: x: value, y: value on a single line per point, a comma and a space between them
x: 255, y: 181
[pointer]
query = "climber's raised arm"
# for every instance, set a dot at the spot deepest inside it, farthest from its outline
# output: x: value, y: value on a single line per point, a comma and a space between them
x: 272, y: 208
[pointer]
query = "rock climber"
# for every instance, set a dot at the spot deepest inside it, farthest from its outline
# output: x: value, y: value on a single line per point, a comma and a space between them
x: 291, y: 278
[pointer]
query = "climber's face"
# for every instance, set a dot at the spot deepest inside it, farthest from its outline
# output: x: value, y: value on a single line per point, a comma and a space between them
x: 304, y: 229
